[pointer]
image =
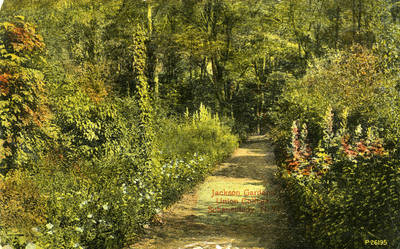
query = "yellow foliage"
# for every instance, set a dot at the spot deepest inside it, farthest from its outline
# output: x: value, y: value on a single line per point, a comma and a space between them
x: 22, y: 207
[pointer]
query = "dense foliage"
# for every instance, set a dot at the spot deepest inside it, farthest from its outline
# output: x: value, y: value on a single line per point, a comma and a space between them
x: 343, y: 191
x: 23, y: 111
x: 336, y: 136
x: 86, y: 169
x: 103, y: 120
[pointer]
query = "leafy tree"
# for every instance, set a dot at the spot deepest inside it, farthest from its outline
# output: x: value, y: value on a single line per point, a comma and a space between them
x: 347, y: 80
x: 24, y: 114
x: 319, y: 25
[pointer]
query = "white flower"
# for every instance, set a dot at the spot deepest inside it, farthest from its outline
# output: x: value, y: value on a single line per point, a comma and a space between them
x: 49, y: 226
x: 124, y: 188
x: 90, y: 216
x: 358, y: 130
x: 105, y: 206
x: 83, y: 204
x: 79, y: 229
x: 30, y: 246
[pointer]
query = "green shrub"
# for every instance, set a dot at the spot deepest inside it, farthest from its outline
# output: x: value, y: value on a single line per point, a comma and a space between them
x: 345, y: 79
x: 96, y: 168
x: 24, y: 114
x: 201, y: 133
x: 180, y: 175
x: 106, y: 200
x: 343, y: 191
x: 22, y: 207
x: 189, y: 148
x: 351, y: 81
x: 340, y: 179
x: 97, y: 205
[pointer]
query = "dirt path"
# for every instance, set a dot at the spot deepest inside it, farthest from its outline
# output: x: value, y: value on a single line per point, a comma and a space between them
x: 236, y: 207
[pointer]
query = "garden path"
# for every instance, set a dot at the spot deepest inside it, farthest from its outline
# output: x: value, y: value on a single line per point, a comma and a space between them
x: 226, y: 211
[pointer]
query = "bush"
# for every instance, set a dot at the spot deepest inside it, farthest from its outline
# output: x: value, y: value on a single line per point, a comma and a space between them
x: 106, y: 200
x: 349, y: 81
x: 22, y: 207
x: 201, y: 133
x: 93, y: 171
x: 97, y: 205
x: 190, y: 148
x: 343, y: 191
x: 24, y: 115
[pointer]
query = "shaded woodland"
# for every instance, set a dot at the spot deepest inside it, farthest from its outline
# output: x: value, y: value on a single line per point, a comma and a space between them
x: 111, y: 110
